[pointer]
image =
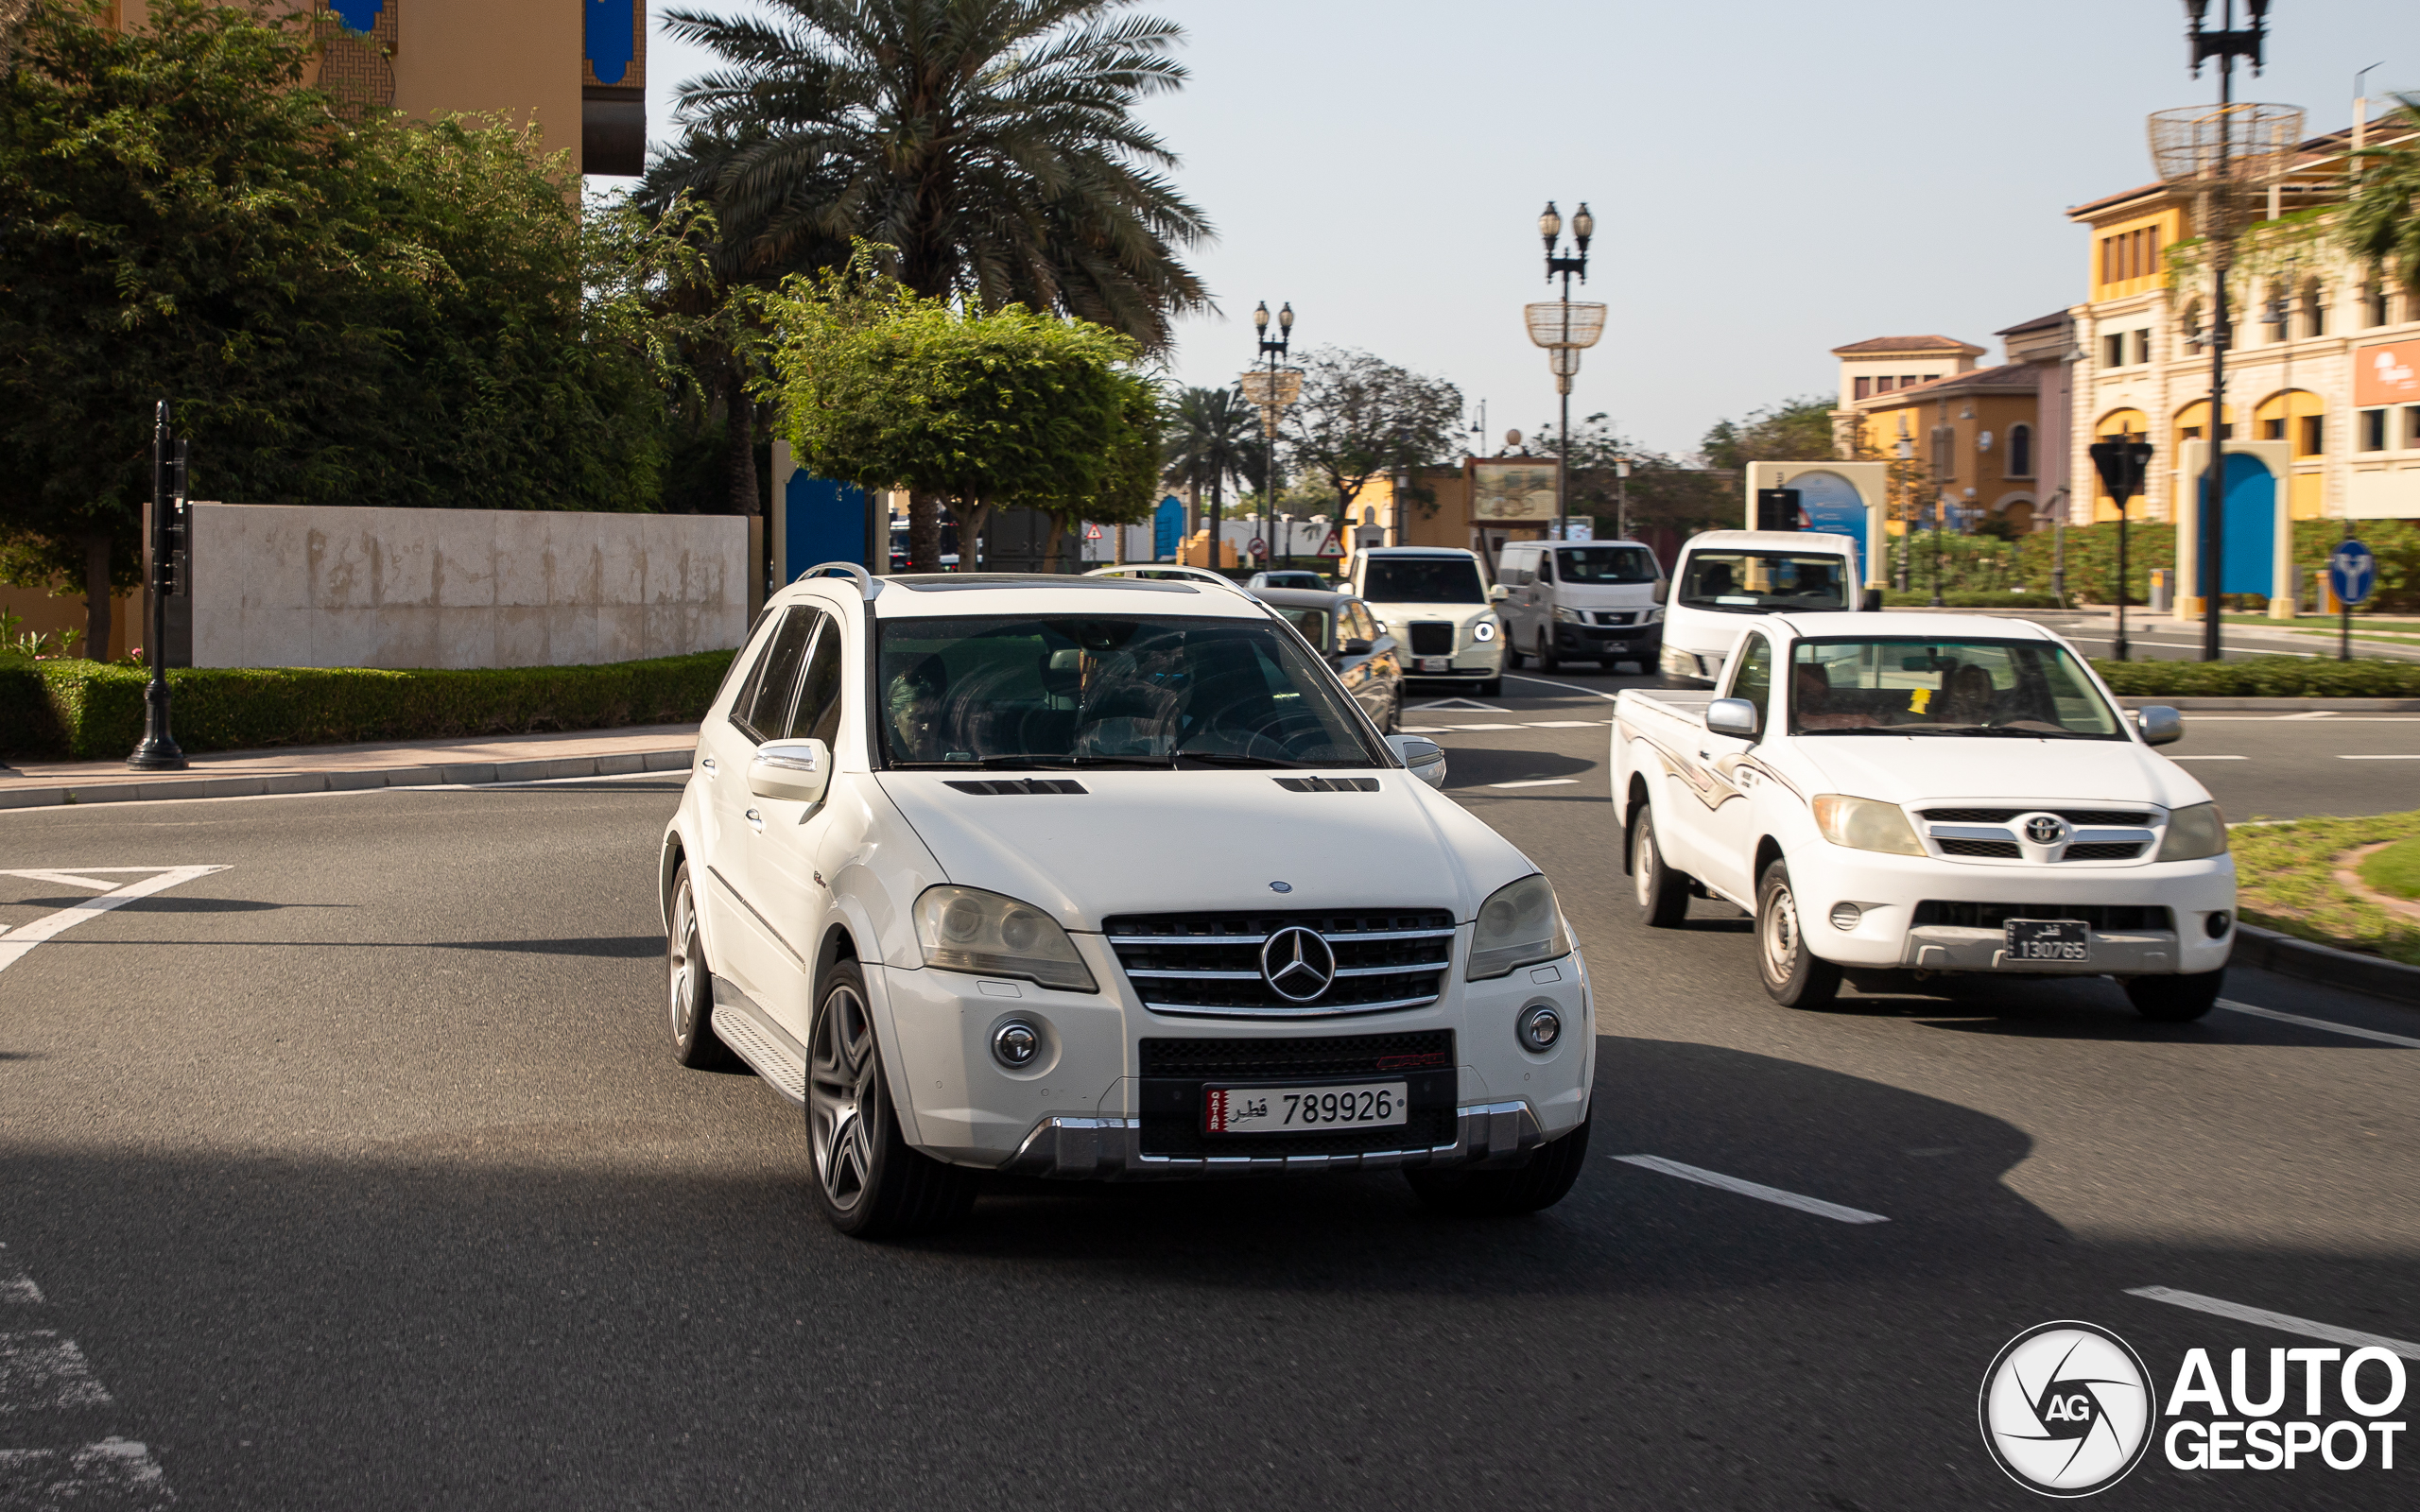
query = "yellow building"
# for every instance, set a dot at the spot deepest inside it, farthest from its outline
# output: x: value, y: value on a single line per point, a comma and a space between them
x: 576, y: 68
x: 1969, y: 436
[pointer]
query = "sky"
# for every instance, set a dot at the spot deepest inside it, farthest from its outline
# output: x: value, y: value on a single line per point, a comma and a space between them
x: 1770, y: 179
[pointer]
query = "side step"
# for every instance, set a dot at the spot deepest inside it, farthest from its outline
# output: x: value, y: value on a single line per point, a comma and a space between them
x: 761, y: 1042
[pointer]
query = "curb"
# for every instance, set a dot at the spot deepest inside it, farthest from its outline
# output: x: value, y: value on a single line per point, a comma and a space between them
x: 467, y: 774
x: 2268, y: 950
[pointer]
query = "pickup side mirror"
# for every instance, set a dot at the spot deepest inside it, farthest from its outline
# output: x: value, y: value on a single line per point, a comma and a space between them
x: 1732, y: 716
x: 1497, y: 592
x: 1663, y: 590
x: 1425, y: 758
x: 2160, y: 723
x: 797, y: 771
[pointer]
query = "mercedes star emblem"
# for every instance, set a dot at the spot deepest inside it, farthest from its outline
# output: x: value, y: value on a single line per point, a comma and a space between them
x: 1297, y: 963
x: 2046, y: 829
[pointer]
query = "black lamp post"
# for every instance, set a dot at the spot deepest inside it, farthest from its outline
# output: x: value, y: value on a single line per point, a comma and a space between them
x: 166, y: 555
x: 1274, y: 353
x: 1566, y: 351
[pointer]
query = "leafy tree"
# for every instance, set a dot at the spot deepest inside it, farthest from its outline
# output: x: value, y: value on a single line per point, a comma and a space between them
x: 2381, y: 224
x: 1796, y: 430
x: 885, y: 388
x: 1213, y: 435
x: 1360, y: 417
x: 1665, y: 492
x: 342, y: 311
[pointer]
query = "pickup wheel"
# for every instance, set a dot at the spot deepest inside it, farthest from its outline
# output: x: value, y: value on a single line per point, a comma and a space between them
x: 1663, y: 893
x: 2175, y: 999
x: 868, y: 1182
x: 1795, y: 977
x: 1542, y: 1183
x: 689, y: 983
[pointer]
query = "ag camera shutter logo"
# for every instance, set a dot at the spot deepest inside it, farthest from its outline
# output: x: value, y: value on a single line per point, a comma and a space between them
x: 2067, y: 1409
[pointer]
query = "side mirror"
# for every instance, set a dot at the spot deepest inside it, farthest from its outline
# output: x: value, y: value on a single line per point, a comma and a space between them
x: 1356, y: 648
x: 1732, y: 716
x: 2161, y: 725
x: 1425, y: 758
x: 1663, y: 590
x: 797, y: 771
x: 1497, y: 594
x: 1872, y: 603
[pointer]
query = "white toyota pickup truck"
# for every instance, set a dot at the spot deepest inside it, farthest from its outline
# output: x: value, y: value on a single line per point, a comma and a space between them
x: 1929, y: 793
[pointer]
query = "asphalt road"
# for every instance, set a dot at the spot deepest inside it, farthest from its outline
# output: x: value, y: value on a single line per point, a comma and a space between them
x: 357, y: 1174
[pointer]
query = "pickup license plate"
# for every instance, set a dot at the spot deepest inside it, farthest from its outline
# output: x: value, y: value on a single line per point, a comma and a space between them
x: 1301, y: 1109
x: 2048, y: 940
x: 1436, y: 663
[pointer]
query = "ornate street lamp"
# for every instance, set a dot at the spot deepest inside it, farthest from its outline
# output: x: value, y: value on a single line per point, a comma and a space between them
x: 1564, y: 329
x: 1271, y: 391
x: 2219, y: 155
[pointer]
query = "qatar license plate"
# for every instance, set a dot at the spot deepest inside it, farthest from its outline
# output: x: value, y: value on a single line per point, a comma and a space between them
x: 1301, y: 1109
x: 2048, y: 940
x: 1436, y: 663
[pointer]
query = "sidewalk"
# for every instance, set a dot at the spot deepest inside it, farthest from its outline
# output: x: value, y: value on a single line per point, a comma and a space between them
x: 345, y: 768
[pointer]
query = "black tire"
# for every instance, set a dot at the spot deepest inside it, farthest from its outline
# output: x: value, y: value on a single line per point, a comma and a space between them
x: 1542, y: 1183
x: 1492, y: 688
x: 1794, y: 976
x: 689, y: 985
x: 1663, y: 893
x: 868, y: 1182
x: 1546, y: 660
x: 2175, y: 999
x: 1515, y: 659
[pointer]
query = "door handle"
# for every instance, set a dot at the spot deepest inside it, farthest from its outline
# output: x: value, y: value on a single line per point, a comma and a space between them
x: 756, y: 820
x: 1705, y: 755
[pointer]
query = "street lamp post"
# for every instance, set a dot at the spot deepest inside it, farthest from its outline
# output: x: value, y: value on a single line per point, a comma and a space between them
x: 165, y: 556
x: 1564, y: 329
x: 1271, y: 391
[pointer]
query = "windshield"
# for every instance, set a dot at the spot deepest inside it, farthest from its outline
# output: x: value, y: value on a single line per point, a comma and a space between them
x: 1606, y: 564
x: 1424, y: 580
x: 1915, y: 687
x: 1107, y: 691
x: 1760, y: 583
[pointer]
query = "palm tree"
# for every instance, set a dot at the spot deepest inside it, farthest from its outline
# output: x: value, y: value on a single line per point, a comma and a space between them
x: 2381, y: 223
x: 1210, y: 440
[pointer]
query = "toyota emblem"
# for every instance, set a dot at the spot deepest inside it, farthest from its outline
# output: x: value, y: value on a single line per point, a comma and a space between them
x: 2046, y: 829
x: 1297, y: 963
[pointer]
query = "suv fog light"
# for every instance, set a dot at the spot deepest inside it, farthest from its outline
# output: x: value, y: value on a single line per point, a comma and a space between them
x: 1539, y: 1027
x: 2217, y: 924
x: 1015, y: 1044
x: 1845, y: 915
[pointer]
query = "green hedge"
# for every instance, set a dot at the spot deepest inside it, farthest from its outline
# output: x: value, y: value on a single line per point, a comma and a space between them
x: 2264, y: 676
x: 89, y: 710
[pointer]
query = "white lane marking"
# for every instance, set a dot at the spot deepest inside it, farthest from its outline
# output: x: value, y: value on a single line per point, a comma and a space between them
x: 2332, y: 1027
x: 16, y: 1287
x: 67, y: 879
x: 2282, y: 1322
x: 1566, y: 724
x: 39, y: 1369
x: 1468, y: 705
x: 1482, y: 727
x: 2396, y: 758
x: 1424, y: 729
x: 2209, y: 757
x: 1537, y: 781
x: 2314, y: 713
x: 1568, y: 687
x: 1752, y: 1188
x: 114, y: 1475
x: 26, y: 937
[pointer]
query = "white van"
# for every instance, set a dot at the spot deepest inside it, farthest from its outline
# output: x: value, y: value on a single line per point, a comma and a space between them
x: 1597, y: 601
x: 1725, y: 574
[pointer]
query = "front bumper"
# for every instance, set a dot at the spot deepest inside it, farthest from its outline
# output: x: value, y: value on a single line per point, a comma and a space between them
x: 1096, y: 1149
x: 1619, y: 643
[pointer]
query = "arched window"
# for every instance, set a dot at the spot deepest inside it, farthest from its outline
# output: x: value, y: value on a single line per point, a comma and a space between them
x: 2020, y: 451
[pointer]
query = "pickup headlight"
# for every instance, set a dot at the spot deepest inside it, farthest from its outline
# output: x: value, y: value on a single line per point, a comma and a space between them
x: 966, y: 929
x: 1520, y: 922
x: 1568, y: 616
x: 1865, y: 824
x: 2194, y: 833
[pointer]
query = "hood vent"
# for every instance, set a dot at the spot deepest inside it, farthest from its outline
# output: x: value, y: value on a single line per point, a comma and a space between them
x: 1018, y: 786
x: 1328, y: 785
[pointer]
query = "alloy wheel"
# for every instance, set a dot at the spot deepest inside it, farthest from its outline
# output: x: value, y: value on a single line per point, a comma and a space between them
x: 841, y: 1099
x: 1642, y: 866
x: 682, y: 963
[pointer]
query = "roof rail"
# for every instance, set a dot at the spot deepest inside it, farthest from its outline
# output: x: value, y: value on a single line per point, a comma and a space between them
x: 847, y: 569
x: 1159, y: 570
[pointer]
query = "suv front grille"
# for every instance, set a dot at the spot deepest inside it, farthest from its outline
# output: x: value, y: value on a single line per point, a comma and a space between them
x: 2104, y: 916
x: 1343, y: 1054
x: 1209, y: 966
x: 1431, y: 638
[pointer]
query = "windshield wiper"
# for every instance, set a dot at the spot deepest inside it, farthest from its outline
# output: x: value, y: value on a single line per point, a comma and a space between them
x: 1215, y: 758
x: 1040, y: 762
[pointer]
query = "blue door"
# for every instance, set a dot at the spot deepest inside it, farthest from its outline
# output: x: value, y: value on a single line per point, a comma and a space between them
x: 1167, y: 528
x: 822, y: 521
x: 2250, y: 528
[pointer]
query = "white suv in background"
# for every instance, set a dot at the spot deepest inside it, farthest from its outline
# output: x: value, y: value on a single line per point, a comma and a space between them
x: 1092, y: 877
x: 1436, y: 603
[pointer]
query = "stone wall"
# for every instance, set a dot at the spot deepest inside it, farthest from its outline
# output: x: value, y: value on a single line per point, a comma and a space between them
x: 333, y: 587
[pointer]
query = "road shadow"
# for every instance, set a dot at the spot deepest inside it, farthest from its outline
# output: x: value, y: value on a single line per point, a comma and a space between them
x: 1469, y: 767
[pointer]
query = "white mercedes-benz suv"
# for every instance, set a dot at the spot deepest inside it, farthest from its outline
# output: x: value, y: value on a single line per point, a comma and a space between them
x: 1102, y: 877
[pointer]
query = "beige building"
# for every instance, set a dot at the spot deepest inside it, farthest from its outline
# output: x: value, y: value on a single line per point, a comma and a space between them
x: 1989, y: 441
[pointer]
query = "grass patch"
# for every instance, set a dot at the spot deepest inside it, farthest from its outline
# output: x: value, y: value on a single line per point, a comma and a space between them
x: 2264, y: 676
x: 88, y: 710
x: 2395, y: 870
x: 2285, y: 876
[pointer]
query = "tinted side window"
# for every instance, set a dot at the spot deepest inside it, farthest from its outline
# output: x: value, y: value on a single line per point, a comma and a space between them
x: 1546, y: 567
x: 1754, y: 681
x: 1363, y: 626
x: 817, y: 713
x: 762, y: 712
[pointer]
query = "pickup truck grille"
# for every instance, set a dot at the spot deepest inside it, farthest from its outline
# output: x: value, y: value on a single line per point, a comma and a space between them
x: 2103, y: 917
x: 1997, y: 849
x: 1209, y: 965
x: 2075, y: 817
x: 2104, y: 851
x: 1432, y: 638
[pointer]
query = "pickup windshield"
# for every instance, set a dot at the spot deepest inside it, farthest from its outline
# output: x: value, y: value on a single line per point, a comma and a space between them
x: 1047, y: 691
x: 1761, y: 582
x: 1906, y: 686
x: 1424, y: 580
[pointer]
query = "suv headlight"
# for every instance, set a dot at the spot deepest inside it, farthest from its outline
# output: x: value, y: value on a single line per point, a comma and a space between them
x: 1520, y: 922
x: 966, y: 929
x: 1483, y: 629
x: 1566, y: 616
x: 1866, y: 824
x: 2194, y: 834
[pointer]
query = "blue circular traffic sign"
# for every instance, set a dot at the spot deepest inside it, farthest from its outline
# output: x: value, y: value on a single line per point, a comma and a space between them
x: 2352, y: 571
